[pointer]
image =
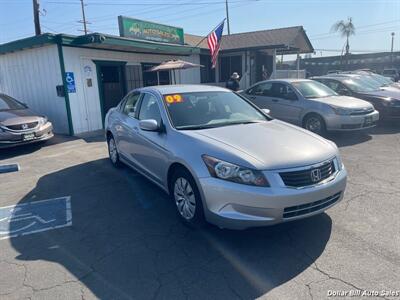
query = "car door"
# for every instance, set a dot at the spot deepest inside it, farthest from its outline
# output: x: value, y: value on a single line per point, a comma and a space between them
x: 286, y: 106
x: 125, y: 127
x: 149, y: 151
x: 260, y: 95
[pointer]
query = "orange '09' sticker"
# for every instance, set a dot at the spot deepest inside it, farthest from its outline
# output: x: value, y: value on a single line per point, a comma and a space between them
x: 173, y: 98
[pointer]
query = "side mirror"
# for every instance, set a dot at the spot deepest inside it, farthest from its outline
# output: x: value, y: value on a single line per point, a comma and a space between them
x: 149, y: 125
x: 266, y: 111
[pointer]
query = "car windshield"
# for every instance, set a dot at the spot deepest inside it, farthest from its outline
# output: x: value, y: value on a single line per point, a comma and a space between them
x: 8, y: 103
x: 313, y: 89
x: 358, y: 85
x: 202, y: 110
x: 381, y: 79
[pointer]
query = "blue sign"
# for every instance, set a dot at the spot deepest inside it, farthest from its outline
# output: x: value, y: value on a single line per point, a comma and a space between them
x: 69, y: 78
x: 35, y: 216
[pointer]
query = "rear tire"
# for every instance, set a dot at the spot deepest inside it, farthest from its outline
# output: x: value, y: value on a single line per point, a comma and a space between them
x: 113, y: 152
x: 187, y: 199
x: 315, y: 123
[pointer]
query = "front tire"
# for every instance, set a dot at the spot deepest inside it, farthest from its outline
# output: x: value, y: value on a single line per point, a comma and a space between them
x: 315, y: 123
x: 113, y: 152
x: 187, y: 199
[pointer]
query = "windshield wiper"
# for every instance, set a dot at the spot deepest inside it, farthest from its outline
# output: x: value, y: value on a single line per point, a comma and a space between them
x: 196, y: 127
x: 206, y: 126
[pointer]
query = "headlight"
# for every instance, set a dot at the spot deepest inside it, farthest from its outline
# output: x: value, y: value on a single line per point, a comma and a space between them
x: 339, y: 162
x: 43, y: 120
x: 227, y: 171
x: 340, y: 111
x: 391, y: 102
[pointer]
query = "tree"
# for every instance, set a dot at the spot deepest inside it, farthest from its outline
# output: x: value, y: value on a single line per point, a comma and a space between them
x: 346, y: 29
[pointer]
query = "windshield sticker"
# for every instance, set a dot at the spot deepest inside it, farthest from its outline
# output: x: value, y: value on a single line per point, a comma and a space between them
x: 176, y: 98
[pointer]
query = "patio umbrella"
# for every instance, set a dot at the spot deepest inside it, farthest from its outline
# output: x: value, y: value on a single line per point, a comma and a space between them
x: 172, y: 65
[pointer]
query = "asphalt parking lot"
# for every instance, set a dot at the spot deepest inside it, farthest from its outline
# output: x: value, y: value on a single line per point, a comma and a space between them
x: 126, y: 242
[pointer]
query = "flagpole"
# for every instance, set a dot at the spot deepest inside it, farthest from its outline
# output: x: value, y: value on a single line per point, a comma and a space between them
x: 209, y: 33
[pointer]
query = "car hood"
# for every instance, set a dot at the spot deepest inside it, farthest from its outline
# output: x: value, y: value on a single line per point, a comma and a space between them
x: 384, y: 93
x: 344, y: 101
x: 271, y: 145
x: 17, y: 116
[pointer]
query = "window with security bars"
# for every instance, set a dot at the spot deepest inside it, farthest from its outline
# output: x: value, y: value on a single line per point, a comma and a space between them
x: 134, y: 78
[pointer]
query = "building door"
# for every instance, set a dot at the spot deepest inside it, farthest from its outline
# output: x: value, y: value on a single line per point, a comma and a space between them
x: 112, y: 84
x: 264, y: 66
x: 150, y: 78
x: 113, y: 87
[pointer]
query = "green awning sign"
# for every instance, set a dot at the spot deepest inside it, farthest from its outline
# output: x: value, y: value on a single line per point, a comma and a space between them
x: 138, y: 29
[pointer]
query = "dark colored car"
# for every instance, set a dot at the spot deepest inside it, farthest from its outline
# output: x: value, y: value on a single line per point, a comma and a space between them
x: 393, y: 74
x: 386, y: 101
x: 20, y: 125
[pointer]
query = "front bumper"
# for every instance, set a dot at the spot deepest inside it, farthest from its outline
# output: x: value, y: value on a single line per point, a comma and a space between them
x: 351, y: 122
x: 10, y: 138
x: 238, y: 206
x: 390, y: 112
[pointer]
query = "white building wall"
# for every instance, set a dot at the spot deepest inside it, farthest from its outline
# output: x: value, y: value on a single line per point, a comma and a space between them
x: 31, y: 76
x: 85, y: 103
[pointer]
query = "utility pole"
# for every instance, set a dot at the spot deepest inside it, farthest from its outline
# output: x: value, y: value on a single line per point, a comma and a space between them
x: 391, y: 51
x: 36, y: 17
x: 83, y: 17
x: 227, y: 16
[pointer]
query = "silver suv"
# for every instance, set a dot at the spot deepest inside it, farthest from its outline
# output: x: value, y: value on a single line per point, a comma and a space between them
x: 312, y: 105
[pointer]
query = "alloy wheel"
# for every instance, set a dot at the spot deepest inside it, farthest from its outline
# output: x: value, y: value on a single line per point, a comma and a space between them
x: 112, y: 150
x: 314, y: 124
x: 185, y: 199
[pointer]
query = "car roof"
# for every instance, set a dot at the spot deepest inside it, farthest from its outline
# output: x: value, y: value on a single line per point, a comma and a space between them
x: 183, y: 88
x: 287, y: 80
x: 339, y: 78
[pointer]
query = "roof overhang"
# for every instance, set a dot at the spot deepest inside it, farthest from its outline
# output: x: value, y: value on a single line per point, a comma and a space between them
x: 99, y: 41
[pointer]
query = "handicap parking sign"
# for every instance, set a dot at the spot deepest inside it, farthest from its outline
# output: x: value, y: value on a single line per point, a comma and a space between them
x: 33, y: 217
x: 69, y: 78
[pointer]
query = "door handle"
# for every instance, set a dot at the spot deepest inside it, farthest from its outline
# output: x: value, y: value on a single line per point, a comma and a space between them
x: 135, y: 129
x: 275, y: 100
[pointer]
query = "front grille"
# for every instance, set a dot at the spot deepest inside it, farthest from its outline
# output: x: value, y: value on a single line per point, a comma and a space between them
x: 308, y: 176
x: 362, y: 112
x: 23, y: 126
x: 299, y: 210
x: 351, y: 126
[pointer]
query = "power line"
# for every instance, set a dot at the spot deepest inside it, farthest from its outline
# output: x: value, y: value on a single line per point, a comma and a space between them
x: 147, y: 4
x: 358, y: 27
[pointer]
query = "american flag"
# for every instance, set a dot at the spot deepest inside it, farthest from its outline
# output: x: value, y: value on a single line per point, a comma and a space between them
x: 214, y: 41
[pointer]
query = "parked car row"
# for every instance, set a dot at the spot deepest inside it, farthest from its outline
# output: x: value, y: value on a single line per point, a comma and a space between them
x: 19, y: 125
x: 312, y: 105
x: 343, y: 101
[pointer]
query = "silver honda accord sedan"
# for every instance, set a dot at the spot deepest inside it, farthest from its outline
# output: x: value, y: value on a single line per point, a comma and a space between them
x: 222, y: 159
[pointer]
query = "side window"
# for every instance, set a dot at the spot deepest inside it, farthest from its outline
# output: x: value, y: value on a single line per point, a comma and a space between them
x: 283, y: 91
x: 131, y: 104
x: 149, y: 109
x: 334, y: 85
x: 263, y: 89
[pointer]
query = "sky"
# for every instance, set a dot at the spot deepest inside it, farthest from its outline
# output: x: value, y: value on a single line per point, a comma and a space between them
x: 374, y: 20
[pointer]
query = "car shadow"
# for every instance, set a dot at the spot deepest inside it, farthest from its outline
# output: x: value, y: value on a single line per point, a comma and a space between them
x: 387, y: 127
x: 344, y: 139
x: 126, y: 242
x: 11, y: 152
